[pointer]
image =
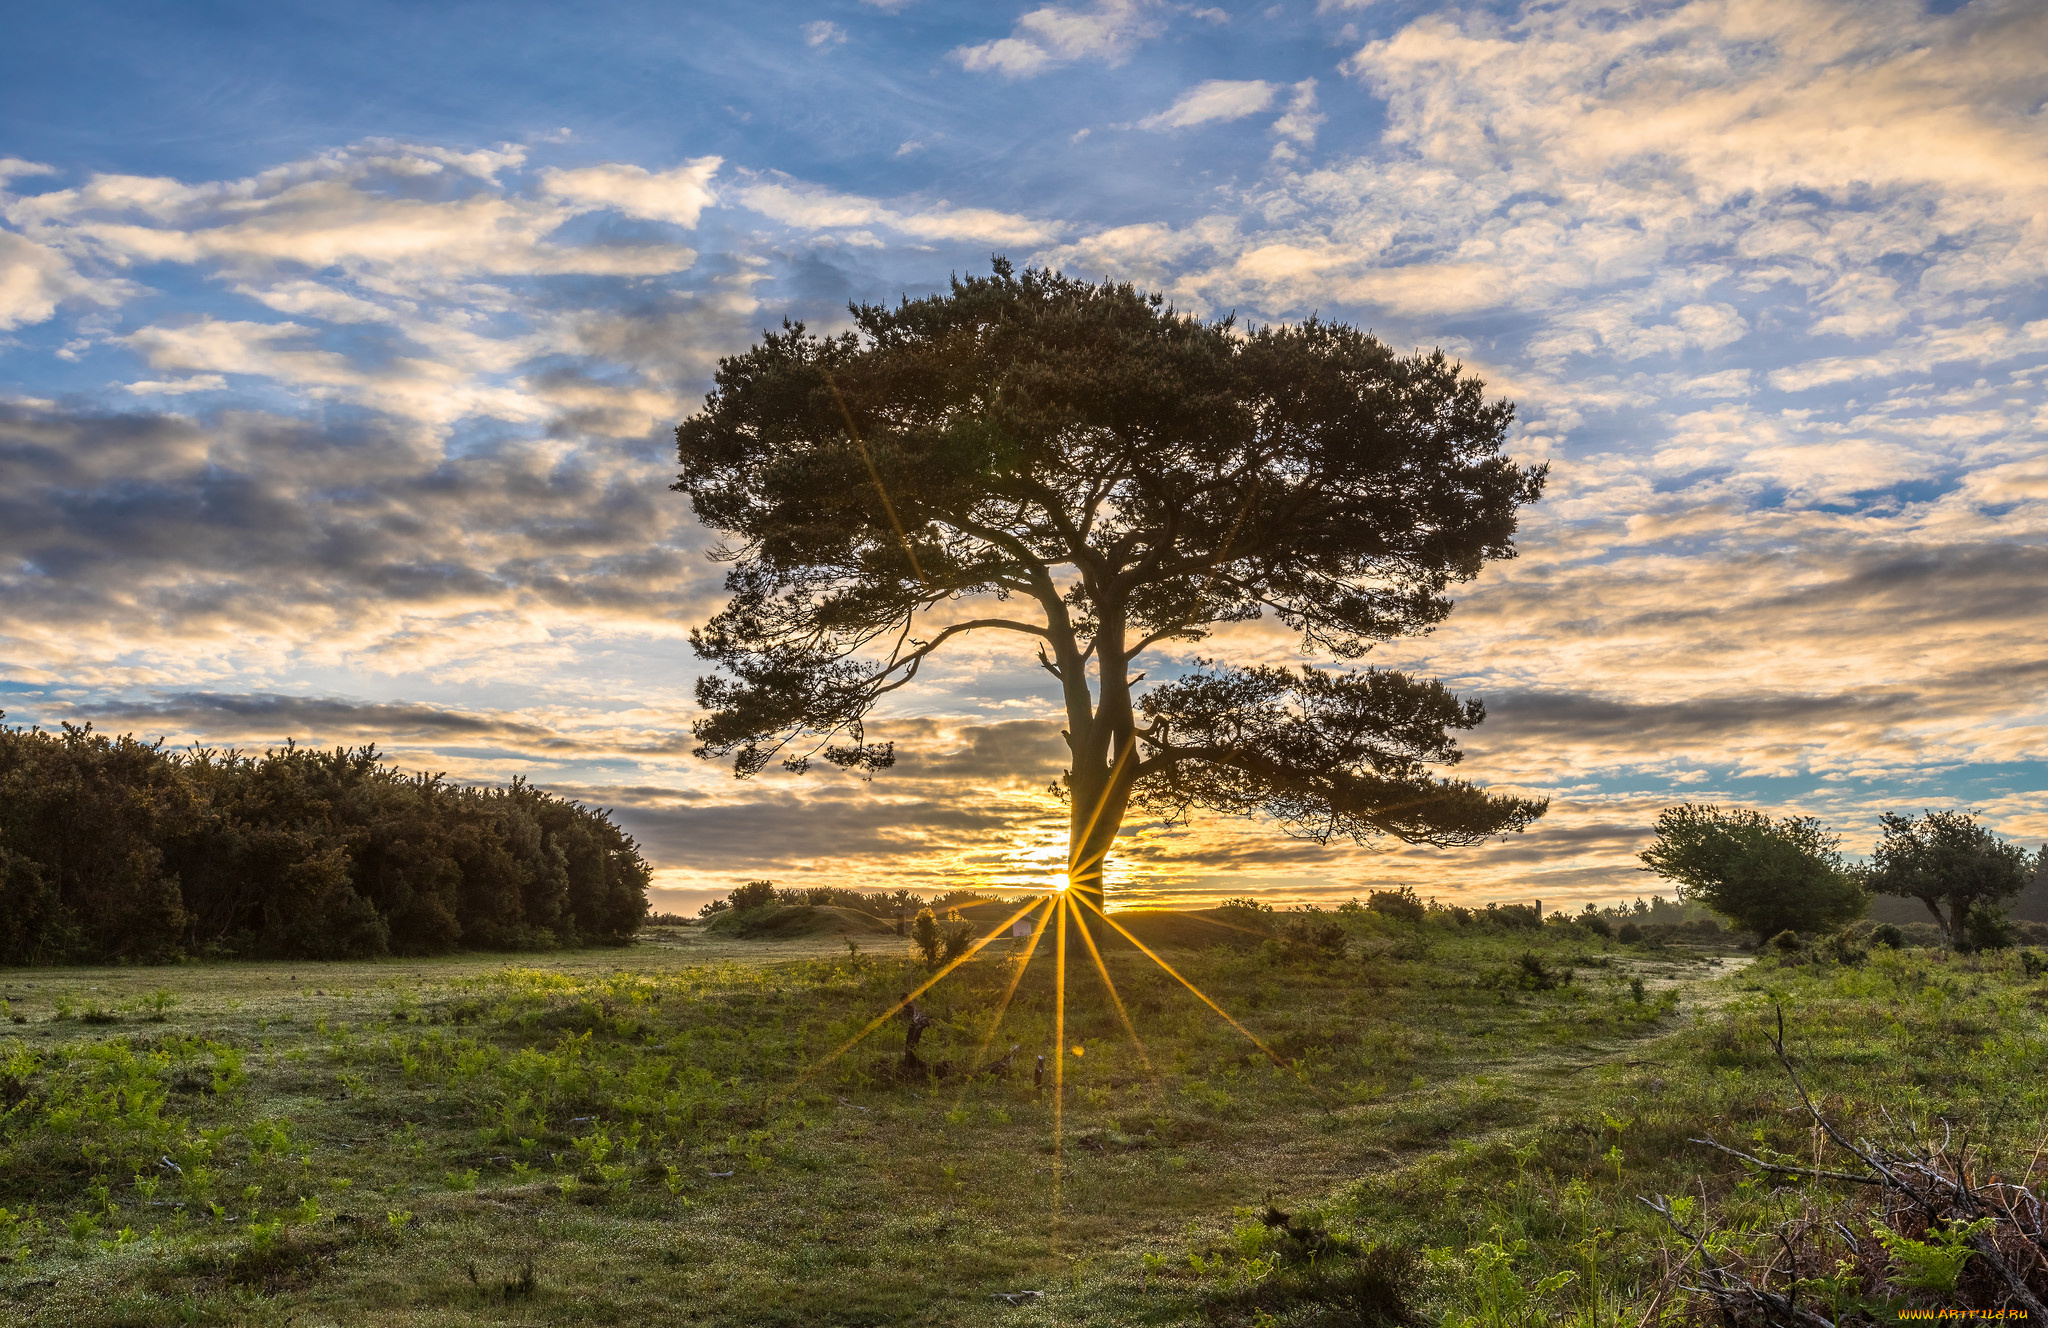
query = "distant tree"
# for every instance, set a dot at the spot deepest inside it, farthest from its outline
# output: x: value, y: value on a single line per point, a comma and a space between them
x: 1947, y: 858
x: 1134, y: 477
x: 1767, y: 876
x: 754, y: 894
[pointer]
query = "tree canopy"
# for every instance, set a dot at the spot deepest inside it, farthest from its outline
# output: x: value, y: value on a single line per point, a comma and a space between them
x: 114, y: 849
x: 1767, y: 876
x: 1950, y: 858
x: 1083, y: 466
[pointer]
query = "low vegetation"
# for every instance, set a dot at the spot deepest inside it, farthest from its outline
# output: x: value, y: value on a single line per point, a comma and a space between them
x: 1462, y: 1118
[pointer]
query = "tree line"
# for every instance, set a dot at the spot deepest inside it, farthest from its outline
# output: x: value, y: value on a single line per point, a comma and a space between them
x: 1789, y: 875
x: 117, y: 850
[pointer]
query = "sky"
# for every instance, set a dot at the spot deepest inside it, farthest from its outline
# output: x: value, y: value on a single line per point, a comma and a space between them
x: 341, y: 348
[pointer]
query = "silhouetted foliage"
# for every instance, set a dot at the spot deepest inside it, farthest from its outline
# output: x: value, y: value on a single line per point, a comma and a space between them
x: 1949, y: 858
x: 1133, y: 477
x: 1768, y: 876
x: 928, y: 938
x: 754, y: 894
x: 1401, y: 903
x: 115, y: 849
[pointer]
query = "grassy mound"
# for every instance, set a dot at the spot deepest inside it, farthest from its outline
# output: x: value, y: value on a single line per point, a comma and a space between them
x: 788, y: 922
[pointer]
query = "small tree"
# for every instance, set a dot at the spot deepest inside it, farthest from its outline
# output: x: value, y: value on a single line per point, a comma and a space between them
x: 928, y: 937
x: 1767, y: 876
x: 1083, y: 468
x: 1947, y: 858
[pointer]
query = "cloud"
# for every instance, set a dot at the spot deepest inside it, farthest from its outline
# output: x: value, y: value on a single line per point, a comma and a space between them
x: 1213, y: 99
x: 1299, y: 124
x: 378, y: 215
x: 810, y: 207
x: 1054, y: 35
x: 13, y: 168
x: 34, y: 279
x: 176, y: 387
x: 823, y: 32
x: 679, y: 195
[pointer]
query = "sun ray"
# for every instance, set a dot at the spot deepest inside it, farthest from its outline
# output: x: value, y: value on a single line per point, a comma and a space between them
x: 1123, y: 1015
x: 1074, y: 865
x: 1023, y: 962
x: 876, y: 476
x: 1199, y: 993
x: 1059, y: 1056
x: 915, y: 992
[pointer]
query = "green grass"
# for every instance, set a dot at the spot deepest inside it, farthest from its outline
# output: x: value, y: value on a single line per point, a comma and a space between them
x: 544, y: 1140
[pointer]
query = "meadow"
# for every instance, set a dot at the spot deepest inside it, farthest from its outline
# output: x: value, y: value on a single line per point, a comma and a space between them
x: 1457, y: 1128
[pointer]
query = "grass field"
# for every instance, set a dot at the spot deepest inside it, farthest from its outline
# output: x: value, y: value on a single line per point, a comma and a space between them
x: 655, y: 1134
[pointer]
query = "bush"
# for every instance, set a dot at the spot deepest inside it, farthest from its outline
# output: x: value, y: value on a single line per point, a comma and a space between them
x: 1513, y: 916
x: 1401, y: 904
x: 957, y: 935
x: 754, y: 894
x: 926, y: 935
x: 1312, y: 931
x: 1887, y: 935
x: 1630, y: 934
x: 1986, y: 927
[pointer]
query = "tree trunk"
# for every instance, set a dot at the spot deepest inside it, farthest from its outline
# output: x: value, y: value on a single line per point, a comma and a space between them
x: 1948, y: 933
x: 1105, y: 768
x: 1095, y: 814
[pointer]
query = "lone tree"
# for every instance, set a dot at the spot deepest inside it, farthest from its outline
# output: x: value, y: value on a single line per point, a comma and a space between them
x: 1767, y: 876
x: 1948, y: 858
x: 1080, y: 465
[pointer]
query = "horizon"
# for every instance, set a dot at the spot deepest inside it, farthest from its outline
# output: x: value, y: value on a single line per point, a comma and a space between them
x: 340, y: 351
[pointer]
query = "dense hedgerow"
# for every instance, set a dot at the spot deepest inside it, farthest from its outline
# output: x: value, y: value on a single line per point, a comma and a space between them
x: 115, y: 849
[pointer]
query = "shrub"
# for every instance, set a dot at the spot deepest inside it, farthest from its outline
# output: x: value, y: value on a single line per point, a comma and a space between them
x: 1629, y: 934
x: 1401, y: 904
x: 1986, y: 927
x: 754, y: 894
x: 956, y: 935
x: 1887, y: 935
x: 1310, y: 931
x: 927, y: 936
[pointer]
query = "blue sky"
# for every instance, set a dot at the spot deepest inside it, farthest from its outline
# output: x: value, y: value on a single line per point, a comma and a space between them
x: 340, y: 344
